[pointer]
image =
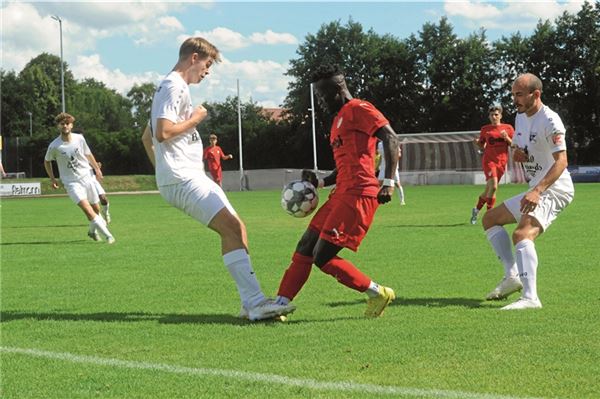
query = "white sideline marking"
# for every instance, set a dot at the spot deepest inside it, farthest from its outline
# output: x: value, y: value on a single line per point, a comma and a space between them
x: 257, y: 377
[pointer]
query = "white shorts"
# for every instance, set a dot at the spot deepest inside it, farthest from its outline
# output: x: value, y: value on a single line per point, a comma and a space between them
x: 98, y: 186
x: 200, y: 198
x: 552, y: 202
x: 381, y: 175
x: 82, y: 190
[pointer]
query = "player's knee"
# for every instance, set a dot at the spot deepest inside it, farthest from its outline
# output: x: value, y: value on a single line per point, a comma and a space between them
x: 488, y: 219
x: 320, y: 259
x: 307, y: 243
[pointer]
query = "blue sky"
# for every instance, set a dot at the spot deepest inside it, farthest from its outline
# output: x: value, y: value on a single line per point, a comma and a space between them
x: 123, y: 43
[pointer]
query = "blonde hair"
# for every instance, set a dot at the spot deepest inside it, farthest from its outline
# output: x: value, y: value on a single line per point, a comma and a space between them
x: 64, y: 117
x: 200, y: 46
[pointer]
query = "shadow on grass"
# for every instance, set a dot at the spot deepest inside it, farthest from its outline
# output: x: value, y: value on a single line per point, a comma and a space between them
x: 44, y: 242
x: 133, y: 317
x: 46, y: 226
x: 127, y: 317
x: 472, y: 303
x: 425, y: 225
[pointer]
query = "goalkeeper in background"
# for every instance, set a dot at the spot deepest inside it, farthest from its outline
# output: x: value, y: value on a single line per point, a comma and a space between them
x: 344, y: 219
x: 494, y: 140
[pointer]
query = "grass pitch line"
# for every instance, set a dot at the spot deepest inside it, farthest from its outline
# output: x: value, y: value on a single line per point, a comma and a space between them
x: 257, y: 377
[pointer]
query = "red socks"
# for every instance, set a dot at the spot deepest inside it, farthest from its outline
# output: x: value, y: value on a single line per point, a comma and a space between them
x: 347, y: 274
x: 489, y: 201
x: 482, y: 201
x: 295, y: 276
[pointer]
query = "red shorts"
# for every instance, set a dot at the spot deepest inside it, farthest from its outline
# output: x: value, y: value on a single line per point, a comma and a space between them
x: 216, y: 175
x: 493, y: 169
x: 344, y: 219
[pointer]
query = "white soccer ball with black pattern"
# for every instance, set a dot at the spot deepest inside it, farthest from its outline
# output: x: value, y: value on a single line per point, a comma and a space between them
x: 299, y: 198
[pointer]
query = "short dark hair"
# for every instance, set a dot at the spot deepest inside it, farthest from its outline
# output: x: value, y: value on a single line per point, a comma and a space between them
x: 495, y: 108
x: 325, y: 71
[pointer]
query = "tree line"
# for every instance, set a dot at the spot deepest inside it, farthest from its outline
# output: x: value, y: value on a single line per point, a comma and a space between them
x: 431, y: 81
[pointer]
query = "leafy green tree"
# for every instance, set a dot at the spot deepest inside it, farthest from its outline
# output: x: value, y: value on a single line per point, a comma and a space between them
x: 140, y: 97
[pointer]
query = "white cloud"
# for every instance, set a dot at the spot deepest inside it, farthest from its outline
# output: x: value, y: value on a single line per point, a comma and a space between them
x: 509, y: 15
x: 226, y: 39
x: 270, y: 37
x: 91, y: 67
x: 263, y: 81
x: 471, y: 9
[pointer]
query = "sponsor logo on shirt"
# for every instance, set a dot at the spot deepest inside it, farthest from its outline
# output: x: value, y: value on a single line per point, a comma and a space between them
x: 337, y: 142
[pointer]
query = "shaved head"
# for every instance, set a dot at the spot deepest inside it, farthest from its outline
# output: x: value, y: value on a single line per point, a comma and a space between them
x: 530, y: 81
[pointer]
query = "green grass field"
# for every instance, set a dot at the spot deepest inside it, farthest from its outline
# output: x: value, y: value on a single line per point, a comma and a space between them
x: 154, y: 316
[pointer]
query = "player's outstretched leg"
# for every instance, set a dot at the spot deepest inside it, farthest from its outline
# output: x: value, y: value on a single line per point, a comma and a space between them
x: 379, y: 297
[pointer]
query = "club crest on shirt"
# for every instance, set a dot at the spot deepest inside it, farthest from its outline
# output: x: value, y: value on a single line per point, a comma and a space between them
x: 533, y: 137
x: 557, y: 139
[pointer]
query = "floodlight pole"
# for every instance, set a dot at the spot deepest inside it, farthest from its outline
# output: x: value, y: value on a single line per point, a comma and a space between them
x: 240, y: 136
x: 314, y: 132
x: 62, y: 69
x: 30, y: 134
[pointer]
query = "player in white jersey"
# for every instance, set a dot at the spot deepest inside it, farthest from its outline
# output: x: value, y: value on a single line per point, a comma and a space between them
x: 175, y: 149
x: 381, y: 167
x: 539, y: 144
x: 74, y: 159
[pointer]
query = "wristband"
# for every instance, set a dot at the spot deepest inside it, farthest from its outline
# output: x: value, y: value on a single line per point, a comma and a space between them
x: 321, y: 183
x: 388, y: 183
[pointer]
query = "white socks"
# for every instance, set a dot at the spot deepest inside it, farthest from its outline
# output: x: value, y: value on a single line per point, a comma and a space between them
x: 527, y: 262
x: 373, y: 290
x: 401, y: 194
x: 498, y: 237
x: 240, y: 268
x: 99, y: 224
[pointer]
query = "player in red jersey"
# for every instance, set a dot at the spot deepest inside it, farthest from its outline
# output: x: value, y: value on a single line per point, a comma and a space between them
x: 494, y: 139
x: 213, y: 155
x: 344, y: 219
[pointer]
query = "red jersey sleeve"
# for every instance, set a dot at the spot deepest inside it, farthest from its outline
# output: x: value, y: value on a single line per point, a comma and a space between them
x: 205, y: 155
x: 367, y: 118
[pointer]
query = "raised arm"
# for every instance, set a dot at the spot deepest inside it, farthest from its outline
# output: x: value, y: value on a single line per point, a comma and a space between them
x: 166, y: 129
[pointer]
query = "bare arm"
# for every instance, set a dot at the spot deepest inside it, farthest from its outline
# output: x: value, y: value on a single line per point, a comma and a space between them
x: 532, y: 198
x: 148, y: 145
x: 166, y: 129
x: 391, y: 155
x: 50, y: 173
x: 94, y: 164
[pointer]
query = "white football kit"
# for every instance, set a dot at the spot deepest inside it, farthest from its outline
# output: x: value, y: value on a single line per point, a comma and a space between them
x: 73, y: 167
x: 541, y: 135
x: 381, y: 174
x: 180, y: 172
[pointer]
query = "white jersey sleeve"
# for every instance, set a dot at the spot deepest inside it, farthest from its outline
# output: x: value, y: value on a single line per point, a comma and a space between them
x: 180, y: 158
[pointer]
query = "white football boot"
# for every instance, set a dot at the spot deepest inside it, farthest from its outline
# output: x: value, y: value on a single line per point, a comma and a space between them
x: 507, y: 286
x: 267, y: 309
x: 524, y: 303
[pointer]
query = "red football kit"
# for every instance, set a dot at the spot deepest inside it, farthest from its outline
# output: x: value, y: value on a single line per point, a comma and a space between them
x: 347, y: 215
x: 213, y: 156
x: 495, y: 154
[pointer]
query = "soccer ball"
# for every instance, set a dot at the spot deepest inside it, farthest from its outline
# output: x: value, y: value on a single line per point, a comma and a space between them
x: 299, y: 198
